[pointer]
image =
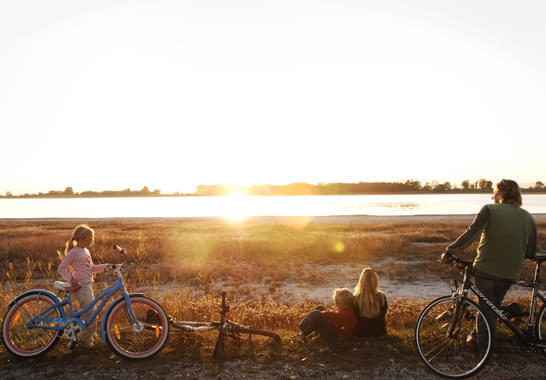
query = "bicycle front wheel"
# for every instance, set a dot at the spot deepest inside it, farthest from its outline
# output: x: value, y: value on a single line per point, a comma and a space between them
x: 137, y: 339
x: 24, y: 341
x: 441, y: 333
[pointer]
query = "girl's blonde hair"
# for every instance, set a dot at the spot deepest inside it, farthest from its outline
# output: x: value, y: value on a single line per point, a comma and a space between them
x: 368, y: 297
x: 343, y: 298
x: 80, y: 232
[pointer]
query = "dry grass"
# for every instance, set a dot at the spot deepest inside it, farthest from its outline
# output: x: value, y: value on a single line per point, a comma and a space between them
x: 179, y: 262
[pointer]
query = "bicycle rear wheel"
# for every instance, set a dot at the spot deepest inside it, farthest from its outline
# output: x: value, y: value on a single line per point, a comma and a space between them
x: 448, y: 354
x: 249, y: 331
x: 124, y: 335
x: 23, y: 341
x: 541, y: 325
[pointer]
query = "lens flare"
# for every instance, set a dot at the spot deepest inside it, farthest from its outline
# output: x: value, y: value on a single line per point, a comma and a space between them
x: 339, y: 247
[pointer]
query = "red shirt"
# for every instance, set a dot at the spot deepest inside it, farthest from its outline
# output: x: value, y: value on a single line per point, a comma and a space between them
x: 343, y: 320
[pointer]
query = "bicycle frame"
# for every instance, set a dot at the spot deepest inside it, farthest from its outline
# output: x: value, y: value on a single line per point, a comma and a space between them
x: 60, y: 323
x: 527, y: 337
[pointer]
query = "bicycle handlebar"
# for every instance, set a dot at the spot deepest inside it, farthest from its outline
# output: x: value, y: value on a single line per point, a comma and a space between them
x: 457, y: 260
x: 116, y: 268
x: 119, y: 249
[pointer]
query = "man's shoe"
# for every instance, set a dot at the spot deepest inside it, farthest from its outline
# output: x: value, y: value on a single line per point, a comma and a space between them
x: 72, y: 345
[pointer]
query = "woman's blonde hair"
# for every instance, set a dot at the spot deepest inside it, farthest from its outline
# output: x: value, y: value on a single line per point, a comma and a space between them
x: 343, y: 298
x: 80, y: 232
x: 368, y: 297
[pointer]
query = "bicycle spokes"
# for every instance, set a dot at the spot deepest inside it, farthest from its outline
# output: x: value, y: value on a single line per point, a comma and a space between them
x: 23, y: 328
x: 441, y: 335
x: 141, y: 338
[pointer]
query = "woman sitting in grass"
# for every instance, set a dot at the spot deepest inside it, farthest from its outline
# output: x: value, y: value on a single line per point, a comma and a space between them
x: 370, y: 306
x: 332, y: 326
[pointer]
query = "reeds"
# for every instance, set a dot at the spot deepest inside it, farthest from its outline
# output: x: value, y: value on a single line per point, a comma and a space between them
x: 179, y: 263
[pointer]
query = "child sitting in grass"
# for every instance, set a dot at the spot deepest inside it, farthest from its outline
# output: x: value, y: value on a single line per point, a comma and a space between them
x: 332, y: 326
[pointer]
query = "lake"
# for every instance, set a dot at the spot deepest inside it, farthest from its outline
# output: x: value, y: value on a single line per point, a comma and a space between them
x: 238, y: 207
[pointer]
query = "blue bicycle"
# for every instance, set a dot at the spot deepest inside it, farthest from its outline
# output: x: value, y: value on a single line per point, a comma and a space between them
x: 135, y: 326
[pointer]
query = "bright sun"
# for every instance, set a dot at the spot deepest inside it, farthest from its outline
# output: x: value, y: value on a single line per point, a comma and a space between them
x: 237, y: 207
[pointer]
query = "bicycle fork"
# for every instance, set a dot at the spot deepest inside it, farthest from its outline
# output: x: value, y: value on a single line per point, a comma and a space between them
x: 457, y: 317
x: 138, y: 326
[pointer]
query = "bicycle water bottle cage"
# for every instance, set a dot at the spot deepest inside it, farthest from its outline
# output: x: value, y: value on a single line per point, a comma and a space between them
x: 66, y: 286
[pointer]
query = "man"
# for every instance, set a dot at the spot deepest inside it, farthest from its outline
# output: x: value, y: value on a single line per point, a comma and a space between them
x: 508, y: 235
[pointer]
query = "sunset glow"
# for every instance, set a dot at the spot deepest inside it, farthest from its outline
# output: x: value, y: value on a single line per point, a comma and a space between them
x: 110, y: 95
x: 237, y: 207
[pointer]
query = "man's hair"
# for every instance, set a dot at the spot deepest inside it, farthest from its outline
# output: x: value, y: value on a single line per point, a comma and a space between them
x: 509, y: 192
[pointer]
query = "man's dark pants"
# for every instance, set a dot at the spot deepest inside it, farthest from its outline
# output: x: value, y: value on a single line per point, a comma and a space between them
x: 495, y: 290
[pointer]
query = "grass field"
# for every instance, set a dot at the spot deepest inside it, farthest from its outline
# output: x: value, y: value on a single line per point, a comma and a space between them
x: 178, y: 263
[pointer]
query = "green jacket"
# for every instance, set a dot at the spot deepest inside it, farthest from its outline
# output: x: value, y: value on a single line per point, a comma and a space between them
x: 508, y: 235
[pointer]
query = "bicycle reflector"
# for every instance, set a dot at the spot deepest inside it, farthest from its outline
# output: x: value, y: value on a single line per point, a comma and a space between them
x: 118, y: 335
x: 16, y: 318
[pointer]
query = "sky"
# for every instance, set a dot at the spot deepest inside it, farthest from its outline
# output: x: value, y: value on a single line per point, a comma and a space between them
x: 113, y: 94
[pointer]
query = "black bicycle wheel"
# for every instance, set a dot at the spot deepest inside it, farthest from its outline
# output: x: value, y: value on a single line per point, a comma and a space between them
x: 541, y: 325
x: 449, y: 354
x: 27, y: 342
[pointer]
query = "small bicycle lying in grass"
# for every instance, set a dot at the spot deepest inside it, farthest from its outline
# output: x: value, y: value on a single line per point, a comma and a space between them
x: 36, y: 319
x: 443, y: 326
x: 226, y: 329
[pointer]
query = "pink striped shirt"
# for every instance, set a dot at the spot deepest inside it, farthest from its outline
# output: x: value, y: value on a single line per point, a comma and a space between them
x: 79, y: 259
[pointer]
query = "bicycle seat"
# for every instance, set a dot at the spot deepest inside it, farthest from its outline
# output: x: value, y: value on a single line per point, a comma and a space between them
x: 65, y: 286
x: 539, y: 258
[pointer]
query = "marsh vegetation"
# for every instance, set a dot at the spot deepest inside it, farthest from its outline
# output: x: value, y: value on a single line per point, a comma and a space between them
x: 186, y: 264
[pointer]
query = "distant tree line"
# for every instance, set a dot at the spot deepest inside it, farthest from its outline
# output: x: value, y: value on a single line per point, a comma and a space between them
x: 340, y: 188
x: 69, y: 193
x: 298, y: 188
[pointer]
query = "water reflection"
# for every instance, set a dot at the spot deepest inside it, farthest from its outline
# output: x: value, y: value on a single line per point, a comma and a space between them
x: 240, y: 207
x: 403, y: 206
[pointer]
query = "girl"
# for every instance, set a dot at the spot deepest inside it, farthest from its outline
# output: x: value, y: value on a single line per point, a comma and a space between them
x: 332, y: 326
x: 370, y: 306
x: 78, y: 258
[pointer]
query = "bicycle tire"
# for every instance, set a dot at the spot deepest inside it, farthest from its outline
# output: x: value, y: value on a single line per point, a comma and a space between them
x: 250, y: 331
x: 541, y: 324
x: 450, y: 356
x: 18, y: 338
x: 130, y: 342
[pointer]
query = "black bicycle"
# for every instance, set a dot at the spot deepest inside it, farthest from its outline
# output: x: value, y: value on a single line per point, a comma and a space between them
x: 444, y: 325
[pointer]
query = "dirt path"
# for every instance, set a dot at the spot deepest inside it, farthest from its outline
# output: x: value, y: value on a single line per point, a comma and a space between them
x: 388, y: 358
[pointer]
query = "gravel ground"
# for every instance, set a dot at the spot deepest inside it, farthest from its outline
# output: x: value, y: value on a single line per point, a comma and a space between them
x: 351, y: 362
